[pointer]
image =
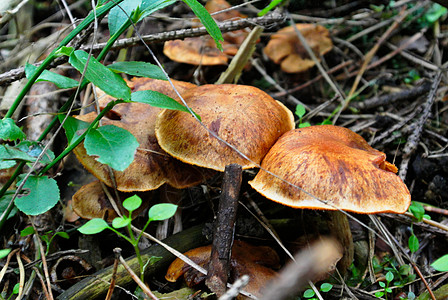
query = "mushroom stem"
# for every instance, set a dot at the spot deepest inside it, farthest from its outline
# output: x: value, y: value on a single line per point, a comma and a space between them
x: 224, y: 229
x: 340, y: 229
x: 169, y: 194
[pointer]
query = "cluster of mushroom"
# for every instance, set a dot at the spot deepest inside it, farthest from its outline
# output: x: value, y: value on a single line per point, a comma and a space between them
x: 318, y: 167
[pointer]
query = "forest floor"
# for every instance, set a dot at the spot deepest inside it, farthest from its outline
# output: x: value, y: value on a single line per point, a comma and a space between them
x: 381, y: 72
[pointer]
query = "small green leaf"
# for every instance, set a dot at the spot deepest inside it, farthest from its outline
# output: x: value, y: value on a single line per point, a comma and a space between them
x: 120, y: 222
x: 382, y: 284
x: 6, y: 164
x: 268, y: 8
x: 60, y: 81
x: 441, y: 264
x: 73, y: 128
x: 300, y: 110
x: 120, y: 14
x: 26, y: 151
x: 413, y: 243
x: 108, y: 81
x: 113, y: 145
x: 9, y: 131
x: 132, y: 203
x: 27, y: 231
x: 4, y: 202
x: 304, y: 124
x: 326, y: 287
x: 149, y: 6
x: 388, y: 290
x: 207, y: 21
x: 67, y: 51
x: 417, y: 210
x: 4, y: 253
x: 62, y: 234
x: 93, y: 226
x: 43, y: 195
x: 158, y: 99
x: 379, y: 294
x: 162, y: 211
x: 389, y: 276
x: 16, y: 289
x: 308, y: 293
x: 138, y: 68
x: 435, y: 12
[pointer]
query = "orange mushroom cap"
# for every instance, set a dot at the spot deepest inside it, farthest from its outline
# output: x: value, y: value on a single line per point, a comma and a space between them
x: 203, y: 50
x: 284, y: 47
x: 91, y: 202
x: 151, y: 167
x: 243, y: 116
x: 334, y: 164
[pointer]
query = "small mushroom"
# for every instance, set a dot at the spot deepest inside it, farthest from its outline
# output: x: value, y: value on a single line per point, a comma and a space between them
x: 90, y: 202
x: 337, y: 166
x: 256, y: 261
x: 151, y: 167
x: 284, y: 47
x: 203, y: 50
x: 243, y: 116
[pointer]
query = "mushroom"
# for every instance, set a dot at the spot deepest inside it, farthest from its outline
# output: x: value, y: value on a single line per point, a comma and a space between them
x: 151, y: 167
x: 203, y: 50
x: 243, y: 116
x: 256, y: 261
x: 91, y: 202
x: 284, y: 47
x: 335, y: 169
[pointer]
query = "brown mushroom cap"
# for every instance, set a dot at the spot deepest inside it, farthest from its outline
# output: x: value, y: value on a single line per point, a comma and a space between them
x: 333, y: 164
x: 284, y: 47
x: 151, y: 167
x: 91, y: 202
x: 243, y: 116
x: 203, y: 50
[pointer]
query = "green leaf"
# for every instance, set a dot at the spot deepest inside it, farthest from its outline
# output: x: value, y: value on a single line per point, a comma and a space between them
x: 132, y: 203
x: 25, y: 151
x: 6, y: 164
x: 268, y: 8
x: 326, y: 287
x: 73, y: 128
x: 308, y: 293
x: 300, y: 110
x: 413, y: 243
x: 9, y: 131
x: 207, y: 21
x: 119, y: 15
x: 62, y: 234
x: 379, y: 294
x: 158, y: 99
x: 67, y: 51
x: 441, y: 264
x: 304, y: 124
x: 150, y: 6
x: 43, y: 195
x: 60, y: 81
x: 93, y: 226
x: 16, y: 288
x: 120, y: 222
x: 4, y: 253
x: 138, y: 68
x: 435, y: 12
x: 382, y: 284
x: 417, y: 210
x: 389, y: 276
x: 162, y: 211
x: 108, y: 81
x: 113, y: 145
x: 4, y: 202
x: 27, y: 231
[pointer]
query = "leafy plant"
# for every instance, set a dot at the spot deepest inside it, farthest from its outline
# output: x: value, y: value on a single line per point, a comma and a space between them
x: 387, y: 290
x: 300, y: 112
x: 157, y: 212
x: 106, y: 142
x: 48, y: 237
